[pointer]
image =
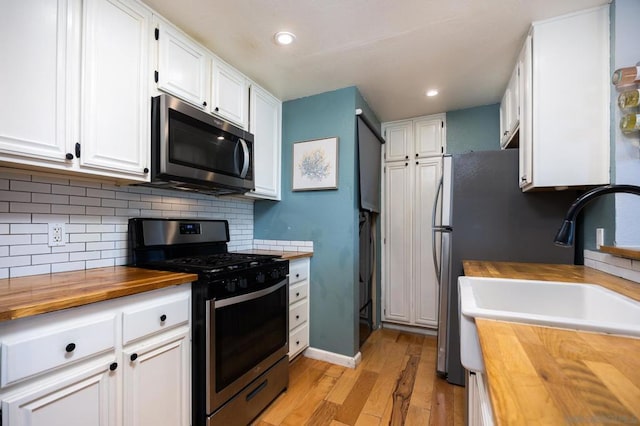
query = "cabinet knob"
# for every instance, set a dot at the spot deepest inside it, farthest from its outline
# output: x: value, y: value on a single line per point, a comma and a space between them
x: 133, y: 357
x: 146, y: 170
x: 297, y: 316
x: 217, y: 109
x: 297, y: 275
x: 416, y: 155
x: 406, y: 157
x: 406, y: 164
x: 204, y: 103
x: 523, y: 178
x: 417, y: 163
x: 506, y: 132
x: 69, y: 156
x: 77, y: 150
x: 70, y: 347
x: 113, y: 366
x: 297, y: 342
x: 163, y: 318
x: 297, y: 294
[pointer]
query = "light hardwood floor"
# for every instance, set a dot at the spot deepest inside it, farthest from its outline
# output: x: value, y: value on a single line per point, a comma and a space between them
x: 395, y: 384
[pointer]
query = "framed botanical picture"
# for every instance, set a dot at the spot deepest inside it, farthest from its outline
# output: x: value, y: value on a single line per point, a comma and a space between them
x: 315, y: 165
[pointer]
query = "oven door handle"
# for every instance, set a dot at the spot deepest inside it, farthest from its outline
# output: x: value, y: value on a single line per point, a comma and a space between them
x: 249, y: 296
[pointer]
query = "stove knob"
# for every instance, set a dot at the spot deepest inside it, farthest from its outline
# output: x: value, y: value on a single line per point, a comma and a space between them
x: 230, y: 286
x: 260, y: 277
x: 242, y: 282
x: 275, y: 274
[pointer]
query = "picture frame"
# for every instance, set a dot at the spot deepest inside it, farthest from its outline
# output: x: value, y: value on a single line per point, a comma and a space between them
x: 315, y: 165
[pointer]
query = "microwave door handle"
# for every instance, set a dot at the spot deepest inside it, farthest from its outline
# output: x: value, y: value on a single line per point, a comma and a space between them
x: 245, y: 163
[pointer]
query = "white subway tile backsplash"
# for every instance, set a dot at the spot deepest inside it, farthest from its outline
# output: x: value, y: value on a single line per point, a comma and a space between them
x: 17, y: 185
x: 23, y: 271
x: 21, y: 228
x: 85, y: 255
x: 17, y: 196
x: 29, y: 249
x: 69, y: 190
x: 11, y: 240
x: 102, y: 263
x: 29, y: 208
x: 67, y: 209
x: 49, y: 258
x: 67, y: 266
x: 614, y: 265
x: 83, y: 238
x: 11, y: 261
x: 49, y: 198
x: 96, y: 217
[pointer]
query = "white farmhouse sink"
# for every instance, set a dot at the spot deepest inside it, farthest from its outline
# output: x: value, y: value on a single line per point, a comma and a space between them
x: 566, y: 305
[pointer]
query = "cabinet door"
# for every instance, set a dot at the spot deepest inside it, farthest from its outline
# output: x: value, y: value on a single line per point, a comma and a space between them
x: 399, y: 140
x: 38, y: 54
x: 427, y: 177
x: 398, y: 235
x: 526, y: 114
x: 230, y: 94
x: 428, y: 137
x: 115, y: 117
x: 183, y: 66
x: 156, y: 382
x: 265, y: 125
x: 80, y: 399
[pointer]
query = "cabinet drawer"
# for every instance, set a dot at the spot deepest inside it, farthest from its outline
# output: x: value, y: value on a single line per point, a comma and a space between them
x: 298, y: 340
x: 151, y: 318
x: 298, y: 272
x: 298, y: 292
x: 28, y: 354
x: 298, y: 314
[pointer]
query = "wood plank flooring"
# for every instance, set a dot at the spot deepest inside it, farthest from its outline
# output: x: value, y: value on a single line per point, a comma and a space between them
x: 395, y: 384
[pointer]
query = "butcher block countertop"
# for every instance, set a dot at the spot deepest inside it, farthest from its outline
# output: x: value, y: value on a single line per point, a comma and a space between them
x: 39, y: 294
x: 290, y: 255
x: 551, y: 376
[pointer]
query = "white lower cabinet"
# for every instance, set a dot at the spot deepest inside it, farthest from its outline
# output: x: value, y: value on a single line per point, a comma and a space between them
x: 156, y: 382
x: 298, y: 306
x: 479, y: 411
x: 85, y: 397
x: 73, y: 367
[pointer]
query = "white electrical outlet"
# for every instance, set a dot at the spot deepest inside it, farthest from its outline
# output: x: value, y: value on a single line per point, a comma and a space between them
x: 56, y: 234
x: 599, y: 237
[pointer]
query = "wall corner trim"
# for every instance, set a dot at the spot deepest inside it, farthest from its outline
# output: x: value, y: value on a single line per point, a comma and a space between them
x: 334, y: 358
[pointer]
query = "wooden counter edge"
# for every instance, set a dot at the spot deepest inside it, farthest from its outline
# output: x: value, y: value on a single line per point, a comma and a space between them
x: 289, y: 255
x: 67, y: 299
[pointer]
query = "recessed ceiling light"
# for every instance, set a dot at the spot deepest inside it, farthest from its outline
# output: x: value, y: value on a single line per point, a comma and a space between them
x: 284, y: 37
x: 432, y: 92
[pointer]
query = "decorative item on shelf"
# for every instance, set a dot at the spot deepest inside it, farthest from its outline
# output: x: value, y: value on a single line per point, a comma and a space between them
x: 315, y: 165
x: 629, y: 99
x: 626, y: 76
x: 630, y: 123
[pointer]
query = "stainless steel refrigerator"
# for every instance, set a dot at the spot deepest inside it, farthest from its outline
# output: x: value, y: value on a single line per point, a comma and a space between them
x: 485, y: 216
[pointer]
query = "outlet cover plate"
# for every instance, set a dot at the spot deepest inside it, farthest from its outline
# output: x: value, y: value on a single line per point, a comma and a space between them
x: 56, y: 234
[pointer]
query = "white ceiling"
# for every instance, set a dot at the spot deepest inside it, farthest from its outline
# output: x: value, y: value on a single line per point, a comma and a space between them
x: 393, y: 51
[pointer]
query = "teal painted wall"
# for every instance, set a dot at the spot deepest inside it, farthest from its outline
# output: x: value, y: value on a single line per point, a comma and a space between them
x: 328, y: 218
x: 473, y: 129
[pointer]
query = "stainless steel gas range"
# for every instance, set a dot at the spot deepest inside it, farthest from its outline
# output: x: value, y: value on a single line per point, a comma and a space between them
x: 239, y: 315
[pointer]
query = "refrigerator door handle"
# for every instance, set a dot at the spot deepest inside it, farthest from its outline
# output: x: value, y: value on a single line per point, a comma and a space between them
x: 434, y: 230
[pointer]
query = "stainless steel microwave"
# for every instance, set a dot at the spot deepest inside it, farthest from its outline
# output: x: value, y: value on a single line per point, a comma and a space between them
x: 192, y: 150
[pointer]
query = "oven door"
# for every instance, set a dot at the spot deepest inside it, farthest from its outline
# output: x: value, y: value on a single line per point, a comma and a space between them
x: 247, y: 335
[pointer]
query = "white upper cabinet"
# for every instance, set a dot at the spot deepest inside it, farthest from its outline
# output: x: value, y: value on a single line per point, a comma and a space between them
x: 38, y: 54
x: 229, y: 94
x: 399, y: 140
x: 566, y: 103
x: 510, y: 109
x: 266, y: 113
x: 114, y: 125
x: 429, y: 136
x: 183, y: 66
x: 75, y: 87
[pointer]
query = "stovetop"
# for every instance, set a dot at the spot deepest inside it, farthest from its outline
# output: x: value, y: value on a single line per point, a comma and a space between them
x: 214, y: 263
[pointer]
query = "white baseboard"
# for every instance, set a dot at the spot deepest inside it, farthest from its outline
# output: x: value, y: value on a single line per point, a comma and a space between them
x: 333, y: 358
x: 410, y: 329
